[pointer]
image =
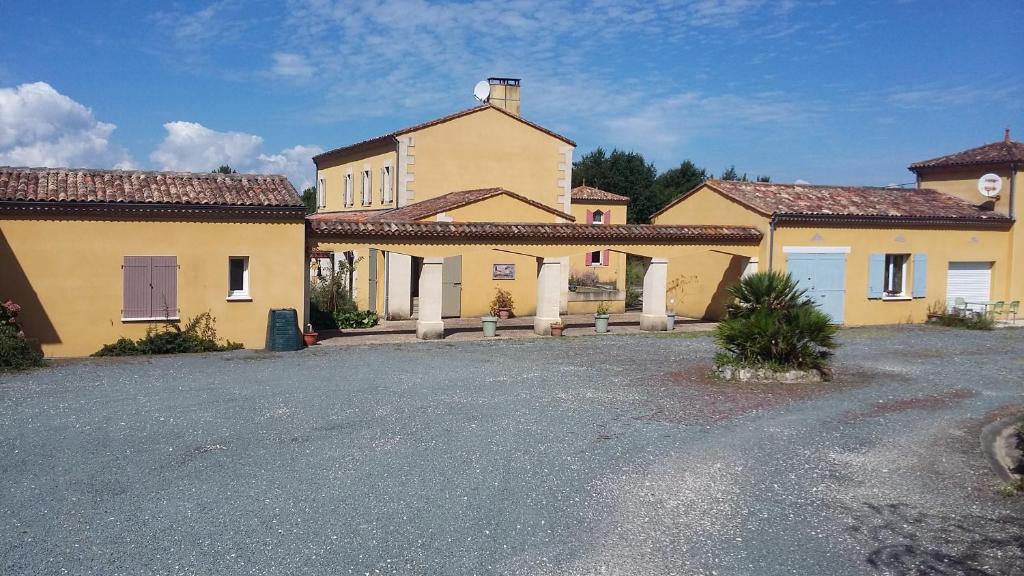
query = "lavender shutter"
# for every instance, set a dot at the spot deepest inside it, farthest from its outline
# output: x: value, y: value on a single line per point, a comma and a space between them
x: 165, y: 286
x: 136, y: 274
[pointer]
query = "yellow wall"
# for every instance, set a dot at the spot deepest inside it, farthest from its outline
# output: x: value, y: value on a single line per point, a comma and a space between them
x: 501, y: 208
x: 483, y: 150
x: 67, y: 275
x: 963, y: 182
x: 941, y: 246
x: 615, y: 270
x: 333, y: 173
x: 700, y: 279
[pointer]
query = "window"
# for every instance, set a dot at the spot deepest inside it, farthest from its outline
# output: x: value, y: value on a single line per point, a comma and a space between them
x: 150, y: 288
x: 348, y: 189
x: 367, y: 190
x: 895, y: 282
x: 595, y: 258
x: 598, y: 217
x: 238, y: 278
x: 385, y: 185
x: 321, y: 193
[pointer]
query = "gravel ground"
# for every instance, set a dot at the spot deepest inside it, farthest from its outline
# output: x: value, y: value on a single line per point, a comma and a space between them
x: 599, y: 455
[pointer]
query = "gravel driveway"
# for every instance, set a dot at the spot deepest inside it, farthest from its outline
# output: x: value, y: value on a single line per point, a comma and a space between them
x: 596, y: 455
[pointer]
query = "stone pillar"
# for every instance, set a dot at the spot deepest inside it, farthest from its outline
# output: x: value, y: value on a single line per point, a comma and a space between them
x: 549, y: 296
x: 399, y: 283
x: 429, y: 325
x: 563, y: 303
x: 653, y: 318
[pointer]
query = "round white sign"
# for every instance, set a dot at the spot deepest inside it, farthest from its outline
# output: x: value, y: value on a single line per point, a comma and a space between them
x: 990, y: 185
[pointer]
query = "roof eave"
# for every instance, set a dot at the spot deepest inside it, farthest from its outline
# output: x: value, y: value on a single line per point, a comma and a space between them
x: 937, y: 221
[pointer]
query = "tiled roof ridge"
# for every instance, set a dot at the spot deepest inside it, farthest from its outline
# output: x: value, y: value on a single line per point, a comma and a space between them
x: 143, y: 172
x: 998, y: 152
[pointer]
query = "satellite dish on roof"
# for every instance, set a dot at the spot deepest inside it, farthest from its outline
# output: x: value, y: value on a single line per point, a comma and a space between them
x: 990, y: 185
x: 482, y: 90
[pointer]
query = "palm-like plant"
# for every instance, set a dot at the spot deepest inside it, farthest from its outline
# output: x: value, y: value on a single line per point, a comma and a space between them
x: 772, y: 323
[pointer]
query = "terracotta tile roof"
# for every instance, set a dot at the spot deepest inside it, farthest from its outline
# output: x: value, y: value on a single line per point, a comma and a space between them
x: 849, y: 202
x: 392, y: 136
x: 453, y: 200
x: 529, y: 232
x: 584, y: 193
x: 92, y: 186
x: 348, y: 216
x: 1004, y: 152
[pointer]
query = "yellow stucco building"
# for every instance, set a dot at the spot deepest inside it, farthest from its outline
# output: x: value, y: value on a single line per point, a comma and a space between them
x: 93, y: 255
x: 867, y: 255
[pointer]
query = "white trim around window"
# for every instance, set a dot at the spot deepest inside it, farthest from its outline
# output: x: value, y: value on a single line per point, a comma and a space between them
x: 238, y: 278
x: 894, y: 285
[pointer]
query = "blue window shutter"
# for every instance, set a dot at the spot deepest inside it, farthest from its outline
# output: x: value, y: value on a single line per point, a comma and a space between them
x: 876, y: 275
x: 920, y: 287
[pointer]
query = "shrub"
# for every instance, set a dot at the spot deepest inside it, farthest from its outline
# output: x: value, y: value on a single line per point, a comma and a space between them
x: 198, y: 335
x: 967, y: 320
x: 16, y: 352
x: 585, y: 278
x: 321, y: 319
x: 331, y: 295
x: 356, y: 319
x: 502, y: 299
x: 772, y: 324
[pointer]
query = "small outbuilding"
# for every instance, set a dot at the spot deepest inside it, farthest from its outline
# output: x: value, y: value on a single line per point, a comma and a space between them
x: 93, y: 255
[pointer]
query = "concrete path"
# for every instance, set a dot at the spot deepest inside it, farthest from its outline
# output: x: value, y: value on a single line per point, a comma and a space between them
x: 466, y: 329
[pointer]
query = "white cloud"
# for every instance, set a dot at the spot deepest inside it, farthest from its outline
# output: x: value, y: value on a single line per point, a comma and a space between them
x: 292, y: 65
x: 937, y: 98
x: 295, y: 162
x: 39, y: 126
x: 192, y: 147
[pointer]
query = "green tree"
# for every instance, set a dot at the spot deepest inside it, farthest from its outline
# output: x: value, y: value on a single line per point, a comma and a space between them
x: 224, y: 169
x: 675, y: 182
x: 731, y: 174
x: 620, y: 172
x: 764, y: 179
x: 309, y: 199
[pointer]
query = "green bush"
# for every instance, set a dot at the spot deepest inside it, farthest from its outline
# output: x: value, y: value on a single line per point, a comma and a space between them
x: 198, y: 335
x: 772, y: 324
x: 16, y: 352
x: 356, y: 319
x: 968, y: 321
x: 321, y: 319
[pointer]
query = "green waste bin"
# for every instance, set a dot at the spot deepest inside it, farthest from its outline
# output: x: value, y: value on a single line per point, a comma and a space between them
x: 283, y: 334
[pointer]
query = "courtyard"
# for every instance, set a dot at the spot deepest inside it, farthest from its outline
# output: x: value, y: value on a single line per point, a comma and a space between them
x: 610, y: 454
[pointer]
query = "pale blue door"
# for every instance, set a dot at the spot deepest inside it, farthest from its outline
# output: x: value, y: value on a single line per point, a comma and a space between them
x: 824, y: 278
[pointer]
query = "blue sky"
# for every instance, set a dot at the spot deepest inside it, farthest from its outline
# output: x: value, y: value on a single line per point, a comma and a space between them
x: 830, y: 92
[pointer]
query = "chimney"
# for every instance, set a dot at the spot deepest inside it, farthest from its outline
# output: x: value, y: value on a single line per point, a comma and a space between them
x: 1006, y: 135
x: 504, y: 94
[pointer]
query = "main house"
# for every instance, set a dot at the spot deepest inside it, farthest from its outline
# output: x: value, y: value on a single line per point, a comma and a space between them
x: 483, y: 164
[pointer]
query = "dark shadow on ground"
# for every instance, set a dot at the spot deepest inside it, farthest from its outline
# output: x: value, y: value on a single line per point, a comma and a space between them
x: 907, y: 540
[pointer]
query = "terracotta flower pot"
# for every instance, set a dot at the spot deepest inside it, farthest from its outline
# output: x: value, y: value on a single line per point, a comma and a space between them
x: 503, y: 313
x: 310, y: 338
x: 556, y: 329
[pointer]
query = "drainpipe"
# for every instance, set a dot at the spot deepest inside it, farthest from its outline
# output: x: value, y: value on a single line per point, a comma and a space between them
x: 771, y: 243
x: 1013, y: 190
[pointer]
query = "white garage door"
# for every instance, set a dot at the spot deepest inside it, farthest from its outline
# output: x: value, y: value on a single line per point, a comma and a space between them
x: 971, y: 281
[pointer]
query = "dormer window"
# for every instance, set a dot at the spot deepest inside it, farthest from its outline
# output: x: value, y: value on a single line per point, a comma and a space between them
x: 598, y: 217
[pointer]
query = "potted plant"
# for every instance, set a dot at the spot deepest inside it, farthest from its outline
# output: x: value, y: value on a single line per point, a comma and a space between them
x: 502, y: 305
x: 601, y: 318
x: 309, y: 336
x: 556, y: 328
x: 490, y: 324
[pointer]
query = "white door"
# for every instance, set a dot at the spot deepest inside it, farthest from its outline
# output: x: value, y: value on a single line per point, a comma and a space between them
x: 971, y: 281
